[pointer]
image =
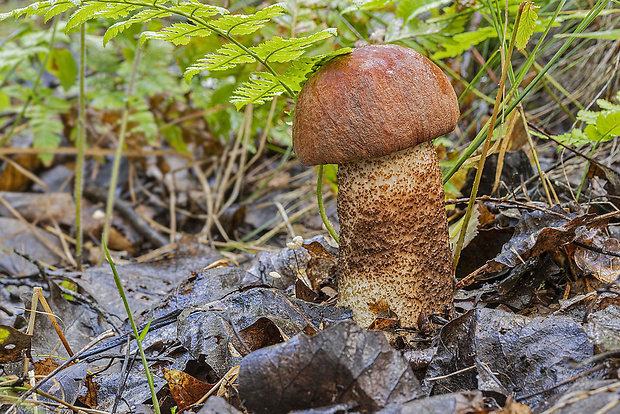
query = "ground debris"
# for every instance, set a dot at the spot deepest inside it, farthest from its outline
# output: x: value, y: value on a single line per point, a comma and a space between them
x: 506, y: 354
x: 342, y: 364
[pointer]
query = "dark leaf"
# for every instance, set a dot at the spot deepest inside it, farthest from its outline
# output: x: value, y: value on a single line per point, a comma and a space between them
x: 215, y: 332
x: 14, y: 344
x: 508, y: 354
x: 455, y: 403
x: 185, y: 389
x: 218, y: 405
x: 536, y: 233
x: 342, y: 364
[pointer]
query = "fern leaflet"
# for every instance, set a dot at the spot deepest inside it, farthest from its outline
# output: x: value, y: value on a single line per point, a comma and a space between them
x: 96, y: 9
x: 227, y: 57
x: 285, y: 50
x: 463, y: 41
x: 30, y: 10
x: 240, y: 24
x: 142, y: 16
x: 265, y: 86
x: 177, y: 34
x: 196, y: 10
x: 261, y: 88
x: 56, y: 9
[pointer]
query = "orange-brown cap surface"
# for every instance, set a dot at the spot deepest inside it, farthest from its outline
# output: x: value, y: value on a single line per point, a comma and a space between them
x: 374, y: 101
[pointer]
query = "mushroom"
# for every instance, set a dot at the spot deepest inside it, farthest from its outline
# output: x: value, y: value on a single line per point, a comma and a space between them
x: 374, y: 113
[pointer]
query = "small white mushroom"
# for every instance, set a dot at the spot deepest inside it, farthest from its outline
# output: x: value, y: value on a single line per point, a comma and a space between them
x: 374, y: 112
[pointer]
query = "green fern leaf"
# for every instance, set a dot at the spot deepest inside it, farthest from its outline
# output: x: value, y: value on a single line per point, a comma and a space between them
x: 56, y: 9
x: 301, y: 69
x: 576, y: 137
x: 408, y: 9
x: 240, y: 24
x: 99, y: 9
x: 177, y: 34
x: 30, y: 10
x: 463, y: 41
x: 608, y: 125
x: 197, y: 10
x: 527, y: 24
x: 285, y: 50
x: 372, y: 4
x: 589, y: 117
x: 227, y: 57
x: 263, y: 87
x: 141, y: 17
x: 607, y: 106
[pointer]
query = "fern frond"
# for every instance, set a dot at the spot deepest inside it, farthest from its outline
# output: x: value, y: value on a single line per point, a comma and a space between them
x: 261, y: 88
x: 372, y: 4
x: 92, y: 10
x: 241, y: 24
x: 227, y: 57
x: 177, y: 34
x: 140, y: 17
x: 285, y: 50
x: 408, y: 9
x: 195, y: 9
x: 39, y: 7
x: 463, y: 41
x: 301, y: 69
x: 608, y: 106
x: 58, y: 8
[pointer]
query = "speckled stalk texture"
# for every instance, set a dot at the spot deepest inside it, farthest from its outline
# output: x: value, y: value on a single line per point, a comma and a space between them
x: 394, y: 251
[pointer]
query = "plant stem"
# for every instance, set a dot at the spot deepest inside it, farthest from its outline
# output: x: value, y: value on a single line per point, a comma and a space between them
x: 119, y: 149
x: 81, y: 147
x: 121, y: 291
x: 319, y: 199
x: 487, y: 145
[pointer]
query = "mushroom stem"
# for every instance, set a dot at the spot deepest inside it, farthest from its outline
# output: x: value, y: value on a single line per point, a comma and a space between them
x: 394, y: 250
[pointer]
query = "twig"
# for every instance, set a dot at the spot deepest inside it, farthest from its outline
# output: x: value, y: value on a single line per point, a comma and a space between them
x: 68, y: 362
x: 596, y: 249
x: 127, y: 211
x: 460, y: 371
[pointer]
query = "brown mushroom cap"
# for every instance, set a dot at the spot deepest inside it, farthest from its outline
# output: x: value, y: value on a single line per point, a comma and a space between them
x: 374, y: 101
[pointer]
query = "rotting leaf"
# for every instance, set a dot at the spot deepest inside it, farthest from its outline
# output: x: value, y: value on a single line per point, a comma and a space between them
x: 67, y: 384
x: 185, y: 389
x: 147, y: 283
x: 80, y: 324
x: 508, y: 354
x: 536, y: 233
x: 603, y: 328
x: 218, y: 405
x: 453, y: 403
x: 14, y: 344
x: 342, y: 364
x: 260, y: 334
x: 588, y: 396
x: 604, y: 267
x: 215, y: 332
x: 315, y: 259
x: 612, y: 177
x: 136, y: 390
x: 16, y: 235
